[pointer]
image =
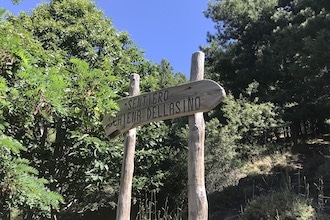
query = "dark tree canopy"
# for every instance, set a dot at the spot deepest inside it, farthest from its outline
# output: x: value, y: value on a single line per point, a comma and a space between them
x: 283, y: 45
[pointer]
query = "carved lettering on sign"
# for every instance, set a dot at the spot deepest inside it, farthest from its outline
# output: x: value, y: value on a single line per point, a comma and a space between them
x: 183, y: 100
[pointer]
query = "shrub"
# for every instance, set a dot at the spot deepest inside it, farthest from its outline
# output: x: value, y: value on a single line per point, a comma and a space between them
x: 281, y: 205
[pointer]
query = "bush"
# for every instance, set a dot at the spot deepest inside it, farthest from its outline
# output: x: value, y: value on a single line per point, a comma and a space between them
x: 281, y: 205
x: 236, y: 136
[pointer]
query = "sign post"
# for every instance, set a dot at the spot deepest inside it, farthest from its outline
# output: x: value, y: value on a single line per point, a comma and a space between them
x: 125, y: 191
x: 197, y: 200
x: 191, y: 99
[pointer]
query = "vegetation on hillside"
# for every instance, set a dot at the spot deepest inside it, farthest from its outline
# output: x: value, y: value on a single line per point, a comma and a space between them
x: 63, y: 67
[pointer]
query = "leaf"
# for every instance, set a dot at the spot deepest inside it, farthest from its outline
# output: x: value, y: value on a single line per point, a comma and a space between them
x: 10, y: 144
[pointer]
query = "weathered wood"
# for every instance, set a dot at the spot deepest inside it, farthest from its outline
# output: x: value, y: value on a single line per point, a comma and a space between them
x: 178, y: 101
x: 197, y: 200
x: 124, y: 199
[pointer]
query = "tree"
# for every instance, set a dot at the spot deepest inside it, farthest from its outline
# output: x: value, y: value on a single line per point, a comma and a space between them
x: 280, y: 44
x: 64, y: 66
x: 161, y: 149
x: 78, y: 29
x: 20, y: 185
x: 16, y: 1
x: 240, y: 135
x: 63, y: 74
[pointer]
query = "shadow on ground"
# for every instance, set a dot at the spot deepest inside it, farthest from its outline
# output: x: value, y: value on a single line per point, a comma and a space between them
x: 310, y: 176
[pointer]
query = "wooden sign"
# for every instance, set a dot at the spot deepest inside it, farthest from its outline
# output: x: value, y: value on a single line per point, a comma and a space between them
x: 174, y: 102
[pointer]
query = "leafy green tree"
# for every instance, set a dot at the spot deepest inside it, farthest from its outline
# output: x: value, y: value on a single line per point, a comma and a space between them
x: 167, y: 78
x: 79, y: 29
x: 65, y: 65
x: 238, y: 135
x: 161, y: 162
x: 280, y: 44
x: 16, y: 1
x: 20, y: 186
x: 63, y: 74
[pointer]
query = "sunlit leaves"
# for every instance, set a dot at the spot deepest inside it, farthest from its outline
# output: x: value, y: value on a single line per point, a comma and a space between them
x: 241, y: 135
x: 20, y: 187
x: 71, y: 65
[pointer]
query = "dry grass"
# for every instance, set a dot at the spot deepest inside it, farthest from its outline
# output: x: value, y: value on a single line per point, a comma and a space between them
x: 265, y: 164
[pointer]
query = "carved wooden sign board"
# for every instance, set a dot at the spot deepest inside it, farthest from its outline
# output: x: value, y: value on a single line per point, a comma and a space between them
x: 169, y: 103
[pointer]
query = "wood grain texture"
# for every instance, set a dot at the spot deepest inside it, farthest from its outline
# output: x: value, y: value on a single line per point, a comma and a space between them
x: 197, y: 200
x: 174, y: 102
x: 127, y: 170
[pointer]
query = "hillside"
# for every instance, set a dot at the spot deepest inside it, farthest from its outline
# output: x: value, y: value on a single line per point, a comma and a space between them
x: 303, y: 169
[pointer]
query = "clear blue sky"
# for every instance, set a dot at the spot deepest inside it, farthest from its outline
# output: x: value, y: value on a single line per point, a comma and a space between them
x: 172, y: 29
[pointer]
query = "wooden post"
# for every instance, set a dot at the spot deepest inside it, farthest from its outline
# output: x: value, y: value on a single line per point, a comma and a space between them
x: 124, y: 198
x: 197, y: 200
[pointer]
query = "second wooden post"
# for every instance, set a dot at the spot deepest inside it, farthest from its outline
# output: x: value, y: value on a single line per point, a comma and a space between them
x: 197, y: 200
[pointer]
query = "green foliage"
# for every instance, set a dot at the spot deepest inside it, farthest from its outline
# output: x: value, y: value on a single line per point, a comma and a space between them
x: 2, y: 14
x: 240, y: 137
x: 159, y: 76
x: 220, y: 156
x: 249, y: 120
x: 16, y: 1
x: 54, y: 96
x: 280, y: 205
x: 283, y: 45
x: 20, y: 186
x: 62, y: 69
x: 160, y: 158
x: 78, y: 29
x: 161, y: 162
